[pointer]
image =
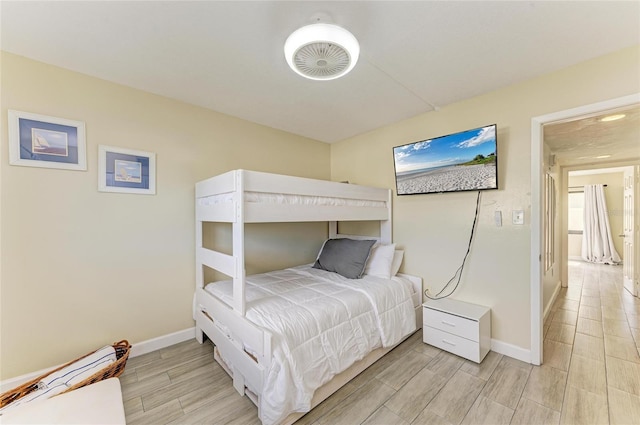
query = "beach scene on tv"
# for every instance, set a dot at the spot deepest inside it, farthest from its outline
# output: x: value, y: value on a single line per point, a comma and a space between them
x: 457, y: 162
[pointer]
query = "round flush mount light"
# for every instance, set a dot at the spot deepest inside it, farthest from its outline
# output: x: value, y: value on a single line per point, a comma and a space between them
x: 321, y: 51
x: 613, y: 117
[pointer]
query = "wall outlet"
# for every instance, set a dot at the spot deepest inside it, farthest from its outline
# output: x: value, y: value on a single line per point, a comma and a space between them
x: 518, y: 217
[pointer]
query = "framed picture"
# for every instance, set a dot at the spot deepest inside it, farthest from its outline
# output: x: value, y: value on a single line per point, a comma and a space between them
x: 42, y: 141
x: 126, y: 170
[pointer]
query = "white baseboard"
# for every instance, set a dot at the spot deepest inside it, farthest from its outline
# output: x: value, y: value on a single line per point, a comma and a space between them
x: 510, y: 350
x: 547, y: 309
x: 154, y: 344
x: 137, y: 349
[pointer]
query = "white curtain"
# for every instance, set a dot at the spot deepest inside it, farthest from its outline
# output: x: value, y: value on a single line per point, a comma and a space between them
x: 597, y: 242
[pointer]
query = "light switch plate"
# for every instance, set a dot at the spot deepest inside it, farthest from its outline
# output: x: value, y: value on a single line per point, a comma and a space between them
x: 518, y: 217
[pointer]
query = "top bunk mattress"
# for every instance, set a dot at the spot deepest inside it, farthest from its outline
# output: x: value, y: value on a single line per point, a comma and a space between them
x: 289, y: 199
x: 277, y: 188
x: 257, y: 197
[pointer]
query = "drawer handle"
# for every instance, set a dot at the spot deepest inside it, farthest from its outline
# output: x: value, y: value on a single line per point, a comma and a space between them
x: 449, y: 342
x: 444, y: 322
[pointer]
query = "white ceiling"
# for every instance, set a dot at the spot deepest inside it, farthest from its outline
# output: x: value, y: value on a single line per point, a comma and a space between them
x: 589, y: 140
x: 228, y: 55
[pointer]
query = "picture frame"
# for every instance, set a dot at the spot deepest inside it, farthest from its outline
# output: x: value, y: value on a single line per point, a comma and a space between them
x: 37, y: 140
x: 126, y: 170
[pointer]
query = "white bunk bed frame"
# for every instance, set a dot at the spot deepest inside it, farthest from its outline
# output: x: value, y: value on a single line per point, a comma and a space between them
x: 249, y: 370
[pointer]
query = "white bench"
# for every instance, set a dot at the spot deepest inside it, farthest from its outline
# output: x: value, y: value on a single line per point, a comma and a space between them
x: 99, y: 403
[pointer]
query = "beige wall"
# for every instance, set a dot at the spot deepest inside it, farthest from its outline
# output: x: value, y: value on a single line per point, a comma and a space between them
x: 82, y: 268
x: 434, y: 229
x: 574, y: 246
x: 69, y: 283
x: 614, y: 196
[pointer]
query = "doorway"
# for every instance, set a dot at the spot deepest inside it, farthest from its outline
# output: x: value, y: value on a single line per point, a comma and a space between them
x: 538, y: 164
x: 614, y: 219
x: 613, y: 181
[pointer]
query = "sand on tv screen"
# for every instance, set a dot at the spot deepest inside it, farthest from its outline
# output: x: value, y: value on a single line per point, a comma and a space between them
x: 457, y: 162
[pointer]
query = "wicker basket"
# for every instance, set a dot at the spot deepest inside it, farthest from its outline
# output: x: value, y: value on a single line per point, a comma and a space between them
x: 116, y: 368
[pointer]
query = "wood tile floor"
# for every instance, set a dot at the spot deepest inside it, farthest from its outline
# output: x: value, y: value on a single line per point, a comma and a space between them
x: 590, y: 375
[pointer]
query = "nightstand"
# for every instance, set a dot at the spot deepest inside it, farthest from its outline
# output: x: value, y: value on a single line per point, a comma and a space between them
x: 458, y: 327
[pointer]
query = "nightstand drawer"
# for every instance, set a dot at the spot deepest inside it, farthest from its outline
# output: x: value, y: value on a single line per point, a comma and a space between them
x: 452, y: 343
x: 450, y: 323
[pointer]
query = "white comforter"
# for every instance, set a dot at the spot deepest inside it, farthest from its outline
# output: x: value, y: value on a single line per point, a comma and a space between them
x: 321, y: 324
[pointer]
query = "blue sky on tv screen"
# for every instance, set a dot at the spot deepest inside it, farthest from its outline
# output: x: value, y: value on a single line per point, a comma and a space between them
x: 445, y: 151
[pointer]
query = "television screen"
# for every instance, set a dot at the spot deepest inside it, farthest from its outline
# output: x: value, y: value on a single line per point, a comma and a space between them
x: 461, y: 161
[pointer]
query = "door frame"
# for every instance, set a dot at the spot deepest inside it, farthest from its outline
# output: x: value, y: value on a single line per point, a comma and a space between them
x: 631, y: 173
x: 537, y: 174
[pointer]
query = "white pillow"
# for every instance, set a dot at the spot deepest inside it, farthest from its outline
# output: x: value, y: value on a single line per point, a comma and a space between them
x: 380, y: 261
x: 397, y: 261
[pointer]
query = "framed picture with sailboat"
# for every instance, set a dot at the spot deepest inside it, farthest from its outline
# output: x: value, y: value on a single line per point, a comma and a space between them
x: 42, y: 141
x: 126, y: 170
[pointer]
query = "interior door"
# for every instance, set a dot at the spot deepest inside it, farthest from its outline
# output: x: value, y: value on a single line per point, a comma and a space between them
x: 629, y: 229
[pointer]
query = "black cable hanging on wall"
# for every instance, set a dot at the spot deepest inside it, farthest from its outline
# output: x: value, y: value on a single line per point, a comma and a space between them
x: 458, y: 272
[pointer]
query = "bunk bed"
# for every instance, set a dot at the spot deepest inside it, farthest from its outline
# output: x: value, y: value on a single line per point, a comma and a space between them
x: 224, y: 310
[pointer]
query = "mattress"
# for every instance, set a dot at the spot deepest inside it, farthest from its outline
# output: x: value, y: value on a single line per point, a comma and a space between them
x: 287, y: 199
x: 321, y: 323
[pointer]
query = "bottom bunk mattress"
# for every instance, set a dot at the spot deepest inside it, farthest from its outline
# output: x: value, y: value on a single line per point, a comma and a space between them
x: 320, y: 324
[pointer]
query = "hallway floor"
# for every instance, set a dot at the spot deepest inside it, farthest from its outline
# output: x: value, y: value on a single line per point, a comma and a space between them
x: 591, y: 342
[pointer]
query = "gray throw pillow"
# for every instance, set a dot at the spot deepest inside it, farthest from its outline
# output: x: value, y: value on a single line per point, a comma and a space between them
x: 346, y: 257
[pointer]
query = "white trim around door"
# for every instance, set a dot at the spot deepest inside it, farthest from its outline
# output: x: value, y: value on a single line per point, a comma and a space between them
x: 536, y: 205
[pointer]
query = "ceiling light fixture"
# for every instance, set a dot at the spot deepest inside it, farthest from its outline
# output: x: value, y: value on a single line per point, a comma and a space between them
x: 321, y: 51
x: 612, y: 117
x: 603, y: 156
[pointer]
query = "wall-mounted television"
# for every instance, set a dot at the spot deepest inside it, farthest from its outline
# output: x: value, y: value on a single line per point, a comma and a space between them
x: 463, y: 161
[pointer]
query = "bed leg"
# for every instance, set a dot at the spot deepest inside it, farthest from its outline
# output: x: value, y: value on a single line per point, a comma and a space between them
x: 199, y: 335
x: 238, y: 381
